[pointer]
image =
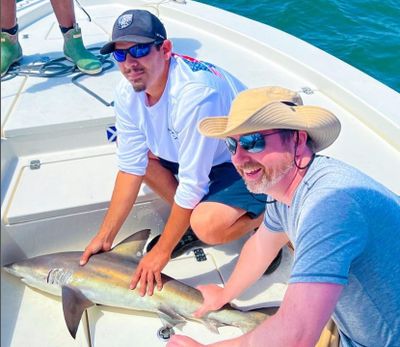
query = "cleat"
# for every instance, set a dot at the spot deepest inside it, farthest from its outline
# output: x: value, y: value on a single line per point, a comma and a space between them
x: 188, y: 241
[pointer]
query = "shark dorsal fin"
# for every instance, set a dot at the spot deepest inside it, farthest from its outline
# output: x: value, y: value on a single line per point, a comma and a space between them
x: 132, y: 247
x: 74, y: 304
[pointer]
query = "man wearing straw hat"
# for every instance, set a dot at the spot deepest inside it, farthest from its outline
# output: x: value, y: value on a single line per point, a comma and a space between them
x: 344, y: 227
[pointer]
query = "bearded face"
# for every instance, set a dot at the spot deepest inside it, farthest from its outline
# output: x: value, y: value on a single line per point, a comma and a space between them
x: 259, y: 178
x: 147, y: 73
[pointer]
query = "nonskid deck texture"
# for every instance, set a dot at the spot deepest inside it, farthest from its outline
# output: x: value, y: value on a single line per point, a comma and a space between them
x: 58, y: 166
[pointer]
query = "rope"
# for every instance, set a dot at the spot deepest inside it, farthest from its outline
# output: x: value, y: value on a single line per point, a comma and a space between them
x: 81, y: 7
x: 60, y: 67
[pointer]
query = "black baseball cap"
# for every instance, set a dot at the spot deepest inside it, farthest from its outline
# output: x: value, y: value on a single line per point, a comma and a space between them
x: 138, y: 26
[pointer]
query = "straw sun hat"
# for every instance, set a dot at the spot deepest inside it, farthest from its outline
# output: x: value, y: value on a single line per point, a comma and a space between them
x: 262, y: 109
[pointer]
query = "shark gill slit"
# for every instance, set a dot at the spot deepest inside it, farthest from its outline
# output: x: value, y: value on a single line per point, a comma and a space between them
x: 58, y: 276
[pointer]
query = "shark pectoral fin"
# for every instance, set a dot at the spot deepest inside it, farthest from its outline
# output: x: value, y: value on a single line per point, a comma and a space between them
x: 212, y: 325
x: 132, y: 247
x: 170, y: 318
x: 74, y: 304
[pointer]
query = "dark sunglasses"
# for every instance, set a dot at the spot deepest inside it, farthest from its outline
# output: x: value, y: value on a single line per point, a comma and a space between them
x: 253, y: 143
x: 139, y: 50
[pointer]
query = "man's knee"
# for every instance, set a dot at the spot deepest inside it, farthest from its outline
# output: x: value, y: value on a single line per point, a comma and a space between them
x: 206, y: 226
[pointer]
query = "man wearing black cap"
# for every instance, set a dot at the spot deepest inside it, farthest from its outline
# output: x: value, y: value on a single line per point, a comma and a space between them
x: 158, y: 106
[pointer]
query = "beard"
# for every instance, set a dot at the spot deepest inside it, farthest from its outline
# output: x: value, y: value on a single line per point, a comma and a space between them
x: 138, y: 85
x: 270, y: 177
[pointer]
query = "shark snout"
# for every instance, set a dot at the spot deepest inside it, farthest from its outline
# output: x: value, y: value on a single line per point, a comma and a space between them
x: 11, y: 269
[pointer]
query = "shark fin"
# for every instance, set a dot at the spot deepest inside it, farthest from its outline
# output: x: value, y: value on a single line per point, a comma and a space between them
x: 170, y: 318
x: 255, y: 318
x: 212, y: 325
x: 132, y: 247
x: 74, y: 304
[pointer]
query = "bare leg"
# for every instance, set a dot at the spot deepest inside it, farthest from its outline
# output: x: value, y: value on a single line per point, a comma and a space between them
x: 161, y: 180
x: 8, y: 14
x: 64, y: 11
x: 216, y: 223
x: 74, y: 49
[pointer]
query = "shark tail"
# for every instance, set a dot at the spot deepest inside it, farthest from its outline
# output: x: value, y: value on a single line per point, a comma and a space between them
x: 255, y: 318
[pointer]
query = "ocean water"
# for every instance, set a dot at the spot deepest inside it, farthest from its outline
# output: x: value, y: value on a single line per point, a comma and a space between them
x: 363, y: 33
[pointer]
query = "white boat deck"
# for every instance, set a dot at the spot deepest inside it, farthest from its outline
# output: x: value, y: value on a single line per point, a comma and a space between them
x: 58, y: 204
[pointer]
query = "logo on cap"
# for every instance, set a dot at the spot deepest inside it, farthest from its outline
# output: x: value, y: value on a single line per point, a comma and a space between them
x: 124, y: 21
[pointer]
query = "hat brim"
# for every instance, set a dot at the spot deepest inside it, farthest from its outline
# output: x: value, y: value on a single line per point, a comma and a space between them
x: 321, y: 125
x: 110, y: 46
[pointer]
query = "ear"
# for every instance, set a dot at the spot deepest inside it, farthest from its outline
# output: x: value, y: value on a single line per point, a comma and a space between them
x: 167, y: 49
x: 301, y: 140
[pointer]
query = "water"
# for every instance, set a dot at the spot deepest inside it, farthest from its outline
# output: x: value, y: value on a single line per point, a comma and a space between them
x: 363, y: 33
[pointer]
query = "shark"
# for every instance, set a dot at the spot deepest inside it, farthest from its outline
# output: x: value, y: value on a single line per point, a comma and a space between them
x: 105, y: 279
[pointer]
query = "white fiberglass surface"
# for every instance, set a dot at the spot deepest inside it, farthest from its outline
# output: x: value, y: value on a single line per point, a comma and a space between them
x: 59, y: 206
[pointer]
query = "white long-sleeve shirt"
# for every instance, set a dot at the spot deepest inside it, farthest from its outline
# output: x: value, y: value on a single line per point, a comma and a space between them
x: 168, y: 129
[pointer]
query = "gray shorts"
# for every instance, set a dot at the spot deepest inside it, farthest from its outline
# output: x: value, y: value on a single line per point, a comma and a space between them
x: 227, y: 187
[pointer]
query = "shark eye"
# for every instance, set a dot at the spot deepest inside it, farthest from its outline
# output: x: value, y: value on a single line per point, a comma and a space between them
x: 58, y: 276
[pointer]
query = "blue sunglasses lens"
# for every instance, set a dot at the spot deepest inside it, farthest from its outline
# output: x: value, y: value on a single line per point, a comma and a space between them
x: 231, y: 144
x: 136, y: 51
x: 119, y: 55
x: 253, y: 143
x: 140, y: 50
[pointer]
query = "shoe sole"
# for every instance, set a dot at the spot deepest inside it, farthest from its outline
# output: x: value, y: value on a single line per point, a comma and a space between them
x: 275, y: 263
x: 15, y: 61
x: 88, y: 72
x: 183, y: 249
x: 179, y: 249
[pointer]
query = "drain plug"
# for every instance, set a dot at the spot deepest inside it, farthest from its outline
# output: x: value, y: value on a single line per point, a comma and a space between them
x: 164, y: 333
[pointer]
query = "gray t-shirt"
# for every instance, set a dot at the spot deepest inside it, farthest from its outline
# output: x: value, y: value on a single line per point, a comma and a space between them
x: 345, y: 228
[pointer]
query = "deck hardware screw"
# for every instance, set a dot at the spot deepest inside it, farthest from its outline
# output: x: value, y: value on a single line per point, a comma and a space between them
x: 164, y: 333
x: 34, y: 164
x: 307, y: 90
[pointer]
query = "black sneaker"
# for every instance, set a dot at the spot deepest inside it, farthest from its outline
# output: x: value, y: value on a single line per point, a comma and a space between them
x: 275, y: 263
x: 188, y: 241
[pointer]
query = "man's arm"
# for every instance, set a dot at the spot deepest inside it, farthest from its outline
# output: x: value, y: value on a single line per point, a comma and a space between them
x: 151, y: 265
x: 125, y: 192
x: 256, y: 255
x: 196, y: 154
x: 305, y: 310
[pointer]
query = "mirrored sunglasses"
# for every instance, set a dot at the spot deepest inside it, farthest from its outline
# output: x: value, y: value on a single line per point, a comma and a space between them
x: 137, y: 51
x: 252, y: 143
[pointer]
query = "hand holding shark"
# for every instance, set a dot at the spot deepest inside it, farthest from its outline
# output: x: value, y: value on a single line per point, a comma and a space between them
x: 148, y: 270
x: 183, y: 341
x: 99, y: 243
x: 213, y: 299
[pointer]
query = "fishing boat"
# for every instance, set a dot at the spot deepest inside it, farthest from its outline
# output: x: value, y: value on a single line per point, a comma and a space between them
x: 58, y: 162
